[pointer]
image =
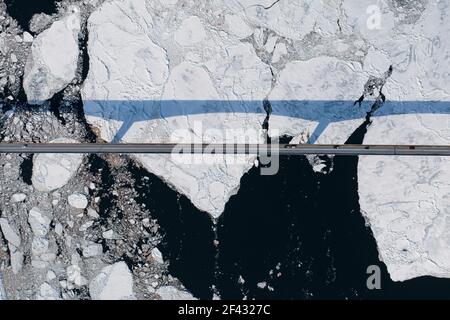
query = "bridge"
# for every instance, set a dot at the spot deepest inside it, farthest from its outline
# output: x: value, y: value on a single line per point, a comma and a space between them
x: 258, y: 149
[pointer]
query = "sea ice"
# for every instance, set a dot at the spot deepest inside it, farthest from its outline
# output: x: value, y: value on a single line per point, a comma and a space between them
x: 52, y: 63
x: 114, y: 282
x: 52, y: 171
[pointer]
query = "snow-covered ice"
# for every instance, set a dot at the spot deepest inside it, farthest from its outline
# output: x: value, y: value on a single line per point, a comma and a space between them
x: 78, y: 200
x: 18, y: 197
x: 109, y: 234
x: 92, y: 250
x: 172, y: 293
x: 14, y: 241
x: 27, y: 37
x: 157, y: 255
x: 47, y: 292
x: 52, y: 63
x: 39, y: 221
x: 317, y: 94
x: 114, y: 282
x: 406, y: 200
x: 74, y: 275
x: 10, y: 235
x: 17, y: 258
x: 52, y: 171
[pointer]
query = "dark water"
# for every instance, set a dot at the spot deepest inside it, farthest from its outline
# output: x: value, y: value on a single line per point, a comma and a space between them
x: 299, y: 231
x: 108, y: 201
x: 26, y: 169
x: 84, y: 54
x: 23, y: 10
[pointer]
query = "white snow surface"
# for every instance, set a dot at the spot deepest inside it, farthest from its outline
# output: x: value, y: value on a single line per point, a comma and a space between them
x: 39, y: 221
x: 14, y: 242
x: 172, y: 293
x: 114, y: 282
x: 52, y: 63
x: 52, y: 171
x: 47, y: 292
x: 10, y: 235
x: 318, y: 91
x: 78, y: 200
x: 406, y: 200
x: 158, y: 67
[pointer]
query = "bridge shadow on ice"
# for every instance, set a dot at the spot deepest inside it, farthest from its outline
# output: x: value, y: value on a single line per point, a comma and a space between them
x: 322, y: 112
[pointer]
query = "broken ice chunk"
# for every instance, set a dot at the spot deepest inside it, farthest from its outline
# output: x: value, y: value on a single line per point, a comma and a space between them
x: 52, y: 64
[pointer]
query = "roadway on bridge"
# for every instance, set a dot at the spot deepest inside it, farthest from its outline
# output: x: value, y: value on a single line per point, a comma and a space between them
x: 281, y: 149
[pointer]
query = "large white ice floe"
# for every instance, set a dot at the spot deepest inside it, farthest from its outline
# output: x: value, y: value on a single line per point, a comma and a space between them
x: 406, y: 200
x: 293, y: 19
x: 52, y: 171
x: 52, y: 63
x: 114, y: 282
x: 315, y: 97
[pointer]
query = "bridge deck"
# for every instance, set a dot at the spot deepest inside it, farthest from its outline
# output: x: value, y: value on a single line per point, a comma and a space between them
x: 281, y: 149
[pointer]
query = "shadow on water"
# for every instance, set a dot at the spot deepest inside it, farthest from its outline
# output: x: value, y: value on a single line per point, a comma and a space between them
x: 23, y: 10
